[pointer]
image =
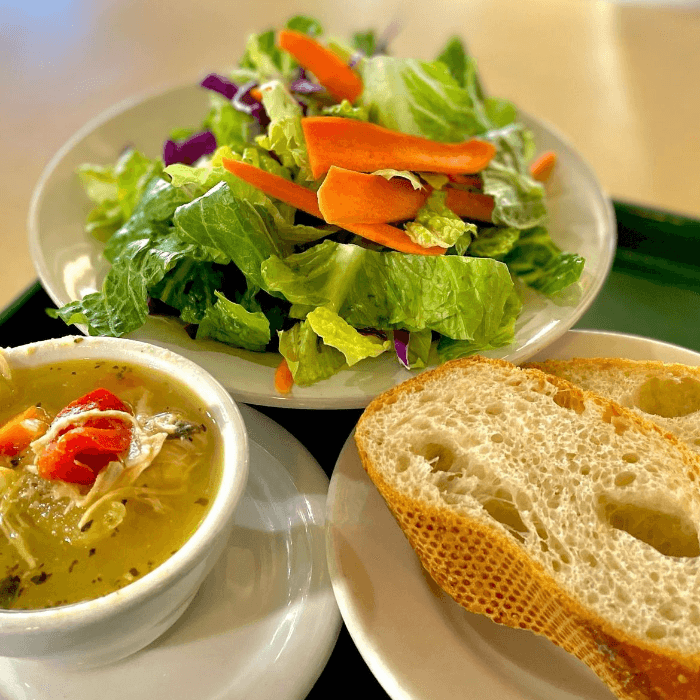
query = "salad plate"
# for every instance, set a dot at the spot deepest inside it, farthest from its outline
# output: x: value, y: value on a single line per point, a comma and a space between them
x: 417, y: 641
x: 264, y: 622
x: 70, y: 263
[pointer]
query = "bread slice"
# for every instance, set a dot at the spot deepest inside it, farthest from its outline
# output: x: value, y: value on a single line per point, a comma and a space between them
x: 552, y: 509
x: 669, y: 394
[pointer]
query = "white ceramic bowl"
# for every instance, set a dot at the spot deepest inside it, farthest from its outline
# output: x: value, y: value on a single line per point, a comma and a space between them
x: 108, y: 628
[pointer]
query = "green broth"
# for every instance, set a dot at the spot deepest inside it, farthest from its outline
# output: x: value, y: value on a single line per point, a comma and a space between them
x: 71, y: 563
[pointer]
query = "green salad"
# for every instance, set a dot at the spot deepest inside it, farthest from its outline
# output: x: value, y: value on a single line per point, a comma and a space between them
x: 242, y: 233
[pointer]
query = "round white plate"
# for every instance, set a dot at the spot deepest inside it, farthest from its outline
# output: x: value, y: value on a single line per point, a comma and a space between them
x: 263, y: 624
x: 70, y: 265
x: 417, y: 641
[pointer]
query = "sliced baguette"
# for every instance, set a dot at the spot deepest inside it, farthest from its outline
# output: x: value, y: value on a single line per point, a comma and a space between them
x: 668, y: 394
x: 552, y: 509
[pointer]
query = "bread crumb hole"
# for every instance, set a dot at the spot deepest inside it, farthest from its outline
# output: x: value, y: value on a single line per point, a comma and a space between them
x: 440, y: 457
x: 501, y: 508
x: 497, y: 437
x: 670, y: 612
x: 669, y: 398
x: 630, y: 458
x: 656, y: 632
x: 625, y: 478
x: 670, y: 534
x: 494, y: 409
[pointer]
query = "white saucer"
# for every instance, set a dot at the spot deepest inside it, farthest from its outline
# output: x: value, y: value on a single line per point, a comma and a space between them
x: 416, y: 640
x: 264, y: 622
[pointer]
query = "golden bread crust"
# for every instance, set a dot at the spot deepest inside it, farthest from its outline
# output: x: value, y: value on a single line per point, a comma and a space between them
x: 487, y: 572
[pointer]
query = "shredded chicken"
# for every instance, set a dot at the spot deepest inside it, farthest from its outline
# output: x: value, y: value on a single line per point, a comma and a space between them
x: 117, y: 480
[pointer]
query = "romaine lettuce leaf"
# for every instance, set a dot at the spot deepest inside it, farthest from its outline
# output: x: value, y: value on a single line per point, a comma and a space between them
x: 264, y: 59
x: 151, y: 217
x: 284, y: 135
x: 231, y: 323
x: 122, y: 304
x: 309, y: 359
x: 456, y: 296
x: 225, y: 225
x: 336, y: 332
x: 420, y: 98
x: 305, y: 25
x: 436, y: 225
x: 115, y: 190
x: 451, y: 349
x: 231, y: 127
x: 538, y: 261
x: 345, y: 109
x: 494, y: 242
x: 190, y: 287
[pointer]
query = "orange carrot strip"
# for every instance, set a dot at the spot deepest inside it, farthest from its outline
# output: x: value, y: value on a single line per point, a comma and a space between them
x: 256, y: 93
x: 365, y: 147
x: 20, y: 431
x: 275, y: 186
x: 305, y: 199
x: 284, y: 381
x: 350, y: 197
x: 470, y: 205
x: 469, y: 180
x: 541, y: 168
x: 330, y: 70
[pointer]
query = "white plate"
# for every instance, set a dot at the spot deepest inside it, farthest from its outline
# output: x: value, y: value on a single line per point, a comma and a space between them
x: 263, y: 624
x: 70, y: 263
x: 417, y: 641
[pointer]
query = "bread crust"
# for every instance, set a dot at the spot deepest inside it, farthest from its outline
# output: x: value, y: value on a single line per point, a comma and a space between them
x: 486, y: 571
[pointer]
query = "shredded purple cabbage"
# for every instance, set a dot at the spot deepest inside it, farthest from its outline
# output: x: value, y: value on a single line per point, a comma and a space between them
x: 240, y: 97
x: 401, y: 339
x: 221, y: 85
x: 304, y: 86
x: 190, y: 150
x: 245, y: 102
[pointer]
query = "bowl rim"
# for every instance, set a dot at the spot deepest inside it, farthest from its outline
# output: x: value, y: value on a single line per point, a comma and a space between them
x: 234, y: 450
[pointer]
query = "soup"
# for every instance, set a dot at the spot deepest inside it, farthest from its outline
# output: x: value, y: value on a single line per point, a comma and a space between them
x: 105, y: 472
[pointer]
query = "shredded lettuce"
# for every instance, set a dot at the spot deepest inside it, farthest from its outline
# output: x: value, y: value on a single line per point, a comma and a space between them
x: 284, y: 136
x: 436, y: 225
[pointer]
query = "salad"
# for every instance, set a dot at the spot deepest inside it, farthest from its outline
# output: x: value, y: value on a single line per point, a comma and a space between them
x: 335, y: 203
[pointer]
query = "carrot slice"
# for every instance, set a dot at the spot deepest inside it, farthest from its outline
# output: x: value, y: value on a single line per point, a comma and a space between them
x: 469, y: 180
x: 470, y: 205
x: 306, y: 200
x: 350, y: 197
x: 275, y: 186
x: 17, y: 434
x: 365, y: 147
x: 284, y: 381
x: 256, y: 93
x: 330, y: 70
x: 541, y: 168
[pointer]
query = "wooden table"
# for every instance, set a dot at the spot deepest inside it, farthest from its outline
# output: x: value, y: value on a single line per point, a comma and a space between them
x: 620, y: 80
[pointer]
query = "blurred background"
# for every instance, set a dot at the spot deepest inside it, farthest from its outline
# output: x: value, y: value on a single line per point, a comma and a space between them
x: 620, y: 79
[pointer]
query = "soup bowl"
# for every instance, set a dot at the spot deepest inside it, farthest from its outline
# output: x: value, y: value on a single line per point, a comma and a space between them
x: 107, y: 628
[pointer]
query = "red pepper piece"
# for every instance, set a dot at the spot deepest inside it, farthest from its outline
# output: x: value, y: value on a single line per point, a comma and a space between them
x: 78, y: 453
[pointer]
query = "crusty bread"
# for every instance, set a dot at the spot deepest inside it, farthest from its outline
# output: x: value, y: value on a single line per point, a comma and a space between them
x: 551, y: 509
x: 669, y: 394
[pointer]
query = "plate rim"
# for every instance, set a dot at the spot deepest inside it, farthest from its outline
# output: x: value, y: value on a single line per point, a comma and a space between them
x: 309, y: 397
